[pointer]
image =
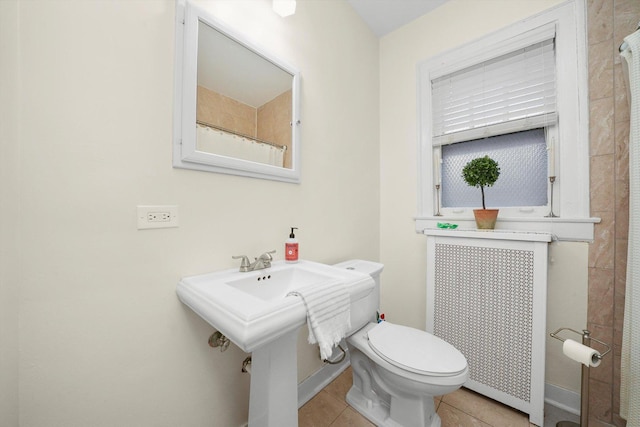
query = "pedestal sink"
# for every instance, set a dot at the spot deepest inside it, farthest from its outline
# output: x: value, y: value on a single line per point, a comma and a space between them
x: 253, y: 310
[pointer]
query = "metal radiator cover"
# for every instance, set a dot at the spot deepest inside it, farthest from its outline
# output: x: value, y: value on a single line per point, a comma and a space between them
x: 484, y: 307
x: 487, y: 297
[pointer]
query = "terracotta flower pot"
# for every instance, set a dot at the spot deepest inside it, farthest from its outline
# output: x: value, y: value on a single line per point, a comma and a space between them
x: 486, y: 218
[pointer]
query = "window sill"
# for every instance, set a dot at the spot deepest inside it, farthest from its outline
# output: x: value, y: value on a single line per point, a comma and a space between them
x: 563, y: 229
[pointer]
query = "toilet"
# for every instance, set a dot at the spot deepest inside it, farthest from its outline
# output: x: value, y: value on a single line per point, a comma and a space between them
x: 397, y: 370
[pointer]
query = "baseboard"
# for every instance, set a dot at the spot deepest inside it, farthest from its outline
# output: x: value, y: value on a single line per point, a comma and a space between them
x: 564, y: 399
x: 320, y: 379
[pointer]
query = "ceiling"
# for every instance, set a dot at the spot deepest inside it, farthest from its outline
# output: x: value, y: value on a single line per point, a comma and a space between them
x: 384, y: 16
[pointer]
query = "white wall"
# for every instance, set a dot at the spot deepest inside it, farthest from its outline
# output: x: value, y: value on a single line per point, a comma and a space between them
x: 103, y: 337
x: 402, y: 250
x: 9, y: 212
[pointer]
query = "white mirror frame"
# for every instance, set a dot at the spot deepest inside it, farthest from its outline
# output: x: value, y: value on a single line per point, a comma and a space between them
x: 185, y: 153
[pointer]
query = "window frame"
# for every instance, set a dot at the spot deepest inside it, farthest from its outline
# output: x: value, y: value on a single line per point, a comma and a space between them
x: 571, y: 144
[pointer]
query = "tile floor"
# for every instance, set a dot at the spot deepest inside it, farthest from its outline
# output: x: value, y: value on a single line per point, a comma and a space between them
x: 462, y: 408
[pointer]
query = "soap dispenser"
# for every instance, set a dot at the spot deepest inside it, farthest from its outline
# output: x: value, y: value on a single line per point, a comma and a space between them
x: 291, y: 248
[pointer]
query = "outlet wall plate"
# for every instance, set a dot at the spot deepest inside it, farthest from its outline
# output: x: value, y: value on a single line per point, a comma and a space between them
x: 160, y: 216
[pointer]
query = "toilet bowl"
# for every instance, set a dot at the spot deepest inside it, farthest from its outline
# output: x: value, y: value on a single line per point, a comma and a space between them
x: 397, y: 370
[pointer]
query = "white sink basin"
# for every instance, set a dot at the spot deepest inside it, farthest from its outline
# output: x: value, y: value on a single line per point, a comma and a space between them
x: 252, y: 308
x: 275, y: 285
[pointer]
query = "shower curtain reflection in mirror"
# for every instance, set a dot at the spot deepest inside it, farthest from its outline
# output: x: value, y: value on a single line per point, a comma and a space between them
x: 229, y: 144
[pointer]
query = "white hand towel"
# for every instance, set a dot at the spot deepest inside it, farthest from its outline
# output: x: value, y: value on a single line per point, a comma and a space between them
x: 328, y: 314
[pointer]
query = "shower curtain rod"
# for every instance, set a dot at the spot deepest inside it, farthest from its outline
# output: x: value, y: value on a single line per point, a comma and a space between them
x: 624, y: 45
x: 209, y: 125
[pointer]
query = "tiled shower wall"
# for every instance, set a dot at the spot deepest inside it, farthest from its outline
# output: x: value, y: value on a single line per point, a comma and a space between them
x: 609, y: 21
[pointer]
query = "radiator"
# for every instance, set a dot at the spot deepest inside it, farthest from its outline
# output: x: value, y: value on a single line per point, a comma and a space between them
x: 486, y: 295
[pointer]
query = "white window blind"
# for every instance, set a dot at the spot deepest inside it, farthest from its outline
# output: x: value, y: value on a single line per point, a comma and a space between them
x: 510, y: 93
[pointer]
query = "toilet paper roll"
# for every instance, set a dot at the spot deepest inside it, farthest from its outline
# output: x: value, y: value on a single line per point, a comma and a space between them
x: 581, y: 353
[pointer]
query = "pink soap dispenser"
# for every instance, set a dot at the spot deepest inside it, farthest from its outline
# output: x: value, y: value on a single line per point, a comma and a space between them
x: 291, y: 248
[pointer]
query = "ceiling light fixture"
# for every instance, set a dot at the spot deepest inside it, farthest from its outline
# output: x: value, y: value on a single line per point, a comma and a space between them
x: 284, y: 7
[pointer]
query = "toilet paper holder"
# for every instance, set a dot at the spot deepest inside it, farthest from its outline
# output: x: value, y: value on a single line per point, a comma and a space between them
x: 586, y: 339
x: 584, y: 389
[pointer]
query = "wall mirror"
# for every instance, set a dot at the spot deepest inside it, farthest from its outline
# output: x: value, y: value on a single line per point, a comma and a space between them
x: 236, y: 106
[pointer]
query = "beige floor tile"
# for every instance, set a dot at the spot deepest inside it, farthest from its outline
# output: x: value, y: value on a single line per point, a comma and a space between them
x: 320, y: 411
x: 341, y: 385
x: 452, y: 417
x: 350, y: 418
x: 462, y: 408
x: 436, y: 401
x: 491, y: 412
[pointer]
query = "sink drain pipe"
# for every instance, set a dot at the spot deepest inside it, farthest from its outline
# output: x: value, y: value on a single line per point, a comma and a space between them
x: 246, y: 363
x: 340, y: 359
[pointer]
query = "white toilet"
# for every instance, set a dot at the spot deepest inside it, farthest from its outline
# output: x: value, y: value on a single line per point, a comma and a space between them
x: 397, y: 370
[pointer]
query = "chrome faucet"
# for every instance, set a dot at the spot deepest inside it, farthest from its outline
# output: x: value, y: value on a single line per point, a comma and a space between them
x: 262, y: 262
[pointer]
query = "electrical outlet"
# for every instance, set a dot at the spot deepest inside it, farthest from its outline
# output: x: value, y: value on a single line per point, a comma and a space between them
x: 157, y: 217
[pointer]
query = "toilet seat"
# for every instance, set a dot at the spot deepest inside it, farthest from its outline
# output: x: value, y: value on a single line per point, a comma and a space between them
x: 415, y: 351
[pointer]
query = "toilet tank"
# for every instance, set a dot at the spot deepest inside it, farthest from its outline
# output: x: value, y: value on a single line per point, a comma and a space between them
x: 364, y: 309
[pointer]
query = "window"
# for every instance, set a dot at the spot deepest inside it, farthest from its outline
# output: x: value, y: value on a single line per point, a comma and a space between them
x: 519, y: 95
x: 485, y: 109
x: 522, y: 157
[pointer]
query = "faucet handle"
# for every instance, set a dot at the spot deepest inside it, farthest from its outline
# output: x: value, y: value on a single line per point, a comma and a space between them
x: 266, y: 259
x: 244, y: 264
x: 267, y: 255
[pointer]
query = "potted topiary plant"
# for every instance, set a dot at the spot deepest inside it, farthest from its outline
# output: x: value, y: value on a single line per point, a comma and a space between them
x: 482, y: 172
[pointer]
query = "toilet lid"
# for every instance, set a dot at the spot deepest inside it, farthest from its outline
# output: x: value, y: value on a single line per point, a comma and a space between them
x: 415, y: 350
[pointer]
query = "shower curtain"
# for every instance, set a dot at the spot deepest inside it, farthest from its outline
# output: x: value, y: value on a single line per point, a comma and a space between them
x: 227, y: 144
x: 630, y: 364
